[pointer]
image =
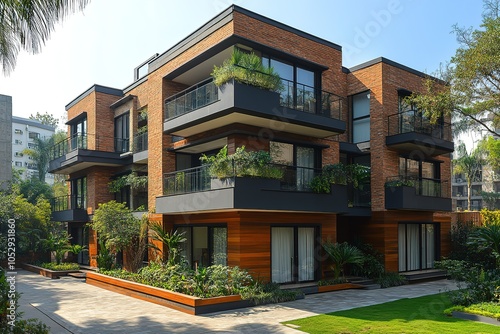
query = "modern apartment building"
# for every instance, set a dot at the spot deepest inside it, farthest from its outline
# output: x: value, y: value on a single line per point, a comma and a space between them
x: 5, y: 140
x: 24, y: 132
x: 322, y: 114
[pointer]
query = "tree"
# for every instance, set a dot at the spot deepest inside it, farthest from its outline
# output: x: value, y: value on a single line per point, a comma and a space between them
x: 171, y: 240
x: 27, y: 25
x: 469, y: 165
x: 40, y: 154
x: 47, y: 119
x: 473, y: 93
x: 115, y: 225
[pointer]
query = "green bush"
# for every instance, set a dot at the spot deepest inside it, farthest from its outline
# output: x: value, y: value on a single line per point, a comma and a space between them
x: 61, y: 266
x: 260, y: 294
x: 372, y: 266
x: 390, y: 279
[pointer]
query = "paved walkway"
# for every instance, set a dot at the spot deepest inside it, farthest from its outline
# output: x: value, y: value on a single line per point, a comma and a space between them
x: 68, y: 305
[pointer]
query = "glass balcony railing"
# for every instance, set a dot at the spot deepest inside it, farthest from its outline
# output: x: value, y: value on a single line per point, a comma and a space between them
x: 423, y: 186
x: 68, y: 202
x: 90, y: 142
x: 197, y: 179
x: 141, y: 142
x: 193, y: 98
x: 414, y: 121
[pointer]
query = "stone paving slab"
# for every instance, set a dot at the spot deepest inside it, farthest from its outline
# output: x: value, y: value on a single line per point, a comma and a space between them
x: 69, y: 305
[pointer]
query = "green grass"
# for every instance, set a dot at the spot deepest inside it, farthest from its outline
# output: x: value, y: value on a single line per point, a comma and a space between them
x: 415, y: 315
x: 490, y: 309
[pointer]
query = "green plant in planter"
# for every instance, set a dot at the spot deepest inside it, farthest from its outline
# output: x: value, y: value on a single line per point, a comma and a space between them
x: 172, y: 240
x: 133, y: 180
x: 400, y: 183
x: 342, y: 254
x: 355, y: 174
x: 247, y: 68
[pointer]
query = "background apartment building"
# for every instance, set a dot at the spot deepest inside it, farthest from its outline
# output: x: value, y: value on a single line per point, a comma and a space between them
x: 24, y: 132
x: 5, y: 139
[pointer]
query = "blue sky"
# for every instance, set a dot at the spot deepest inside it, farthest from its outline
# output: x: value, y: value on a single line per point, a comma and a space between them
x: 110, y: 38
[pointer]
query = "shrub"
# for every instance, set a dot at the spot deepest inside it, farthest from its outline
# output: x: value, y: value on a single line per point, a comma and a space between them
x: 60, y: 266
x: 342, y: 254
x: 372, y: 266
x: 390, y: 279
x: 260, y: 294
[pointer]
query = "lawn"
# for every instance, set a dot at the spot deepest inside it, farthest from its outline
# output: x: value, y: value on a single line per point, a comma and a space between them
x: 415, y: 315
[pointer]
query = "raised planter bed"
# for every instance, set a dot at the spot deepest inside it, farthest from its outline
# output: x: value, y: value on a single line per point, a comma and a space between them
x: 47, y: 272
x: 181, y: 302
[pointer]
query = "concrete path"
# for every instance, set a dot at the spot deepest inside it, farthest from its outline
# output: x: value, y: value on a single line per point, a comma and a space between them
x: 68, y: 305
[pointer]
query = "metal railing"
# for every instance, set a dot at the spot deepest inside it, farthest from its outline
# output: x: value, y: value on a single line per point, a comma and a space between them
x: 88, y: 141
x: 190, y: 99
x: 423, y: 186
x: 292, y: 95
x: 68, y: 202
x: 197, y: 179
x: 140, y: 142
x: 414, y: 121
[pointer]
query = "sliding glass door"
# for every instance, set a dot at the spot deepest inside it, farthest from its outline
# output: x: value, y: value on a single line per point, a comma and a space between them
x: 417, y: 244
x: 292, y: 254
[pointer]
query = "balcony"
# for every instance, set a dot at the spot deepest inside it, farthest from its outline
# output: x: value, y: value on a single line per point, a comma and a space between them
x: 409, y: 131
x: 195, y: 190
x: 70, y: 208
x: 405, y: 193
x: 140, y: 148
x: 82, y: 151
x: 205, y: 107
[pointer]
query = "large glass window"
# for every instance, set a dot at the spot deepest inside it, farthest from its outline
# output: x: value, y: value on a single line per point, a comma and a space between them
x: 424, y: 173
x: 361, y: 117
x: 417, y: 246
x: 122, y: 133
x: 204, y: 245
x: 298, y: 84
x: 78, y: 133
x: 79, y: 193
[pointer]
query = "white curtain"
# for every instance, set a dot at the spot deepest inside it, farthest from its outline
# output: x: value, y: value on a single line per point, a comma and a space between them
x: 428, y: 247
x: 305, y: 158
x: 282, y: 254
x: 402, y: 247
x: 306, y: 253
x: 219, y: 243
x: 412, y: 238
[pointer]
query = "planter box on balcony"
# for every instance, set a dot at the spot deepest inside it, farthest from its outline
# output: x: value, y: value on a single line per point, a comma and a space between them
x: 47, y: 272
x: 181, y: 302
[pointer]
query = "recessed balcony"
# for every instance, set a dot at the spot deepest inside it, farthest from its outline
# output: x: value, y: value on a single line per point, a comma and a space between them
x: 70, y: 208
x: 409, y: 131
x: 140, y: 148
x: 205, y: 107
x: 404, y: 193
x: 86, y: 150
x: 194, y: 190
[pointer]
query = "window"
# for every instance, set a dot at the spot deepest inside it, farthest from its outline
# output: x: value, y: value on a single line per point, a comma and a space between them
x: 122, y: 133
x: 302, y: 159
x: 18, y: 142
x: 426, y: 175
x: 299, y: 84
x: 418, y: 246
x: 204, y: 245
x: 18, y: 164
x: 18, y: 131
x: 18, y: 154
x: 78, y: 133
x: 79, y: 193
x: 32, y: 145
x: 34, y: 135
x: 361, y: 117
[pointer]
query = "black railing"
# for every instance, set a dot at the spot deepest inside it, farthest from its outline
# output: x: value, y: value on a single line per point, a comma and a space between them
x: 86, y: 141
x: 423, y: 186
x: 141, y: 142
x: 69, y: 144
x: 292, y: 95
x: 197, y: 179
x: 190, y: 99
x: 360, y: 196
x: 68, y: 202
x: 122, y: 145
x: 414, y: 121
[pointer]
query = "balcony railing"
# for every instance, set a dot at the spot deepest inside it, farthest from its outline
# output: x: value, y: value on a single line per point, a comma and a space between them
x: 68, y: 202
x: 292, y: 95
x: 141, y: 142
x: 190, y: 99
x: 414, y: 121
x: 422, y: 186
x: 199, y: 179
x: 81, y: 141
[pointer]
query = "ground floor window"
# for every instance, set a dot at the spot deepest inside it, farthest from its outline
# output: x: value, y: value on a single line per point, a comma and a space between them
x: 292, y: 254
x: 80, y: 236
x: 204, y: 245
x: 418, y: 246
